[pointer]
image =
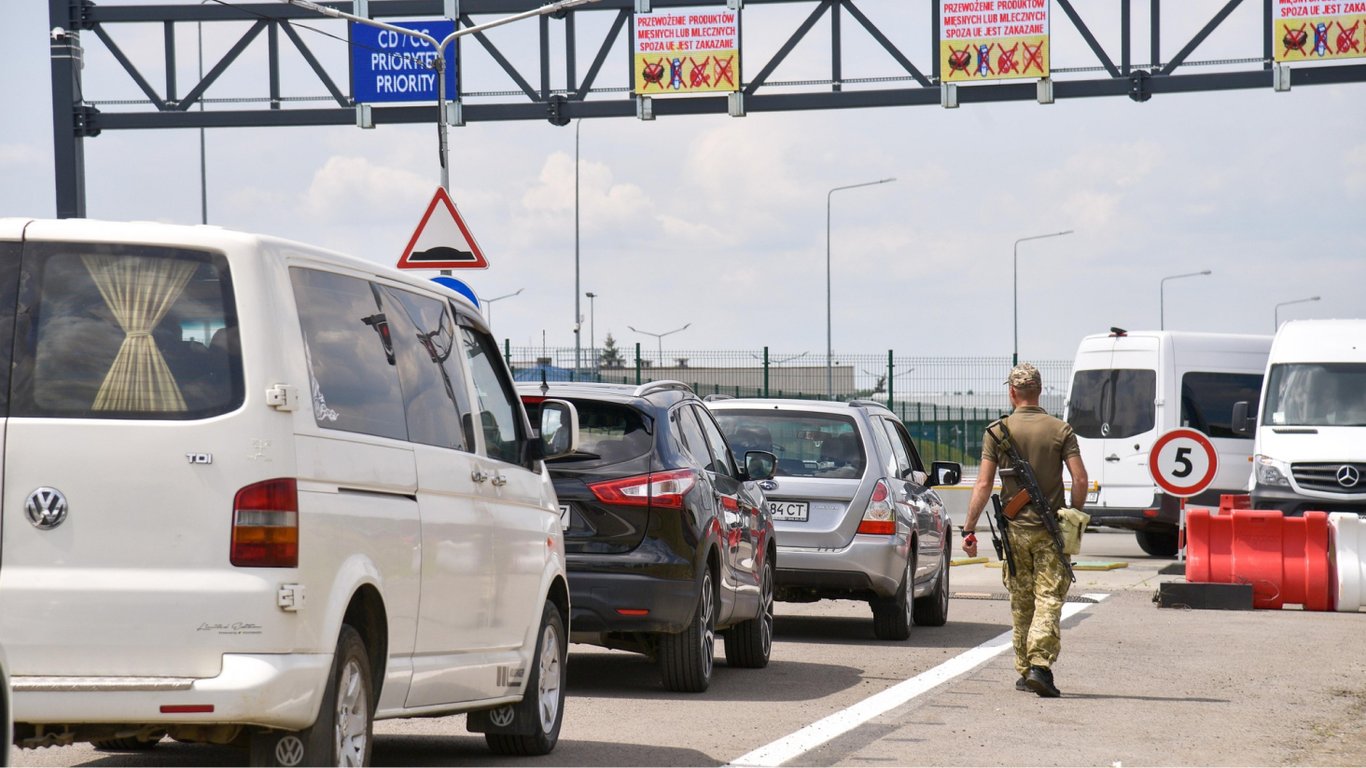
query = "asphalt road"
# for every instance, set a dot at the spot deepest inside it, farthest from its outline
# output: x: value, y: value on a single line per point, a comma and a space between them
x: 1141, y: 685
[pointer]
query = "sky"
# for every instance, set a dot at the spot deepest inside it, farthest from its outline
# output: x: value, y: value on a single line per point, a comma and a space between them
x: 719, y: 223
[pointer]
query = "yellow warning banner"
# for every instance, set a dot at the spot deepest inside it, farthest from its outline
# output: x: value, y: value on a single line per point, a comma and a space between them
x: 993, y: 40
x: 1313, y: 30
x: 687, y: 51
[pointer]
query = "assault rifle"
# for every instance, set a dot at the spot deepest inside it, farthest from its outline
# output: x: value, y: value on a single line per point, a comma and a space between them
x: 1023, y: 473
x: 1002, y: 542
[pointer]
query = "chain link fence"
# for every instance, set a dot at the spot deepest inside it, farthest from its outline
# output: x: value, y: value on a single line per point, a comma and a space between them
x: 945, y: 402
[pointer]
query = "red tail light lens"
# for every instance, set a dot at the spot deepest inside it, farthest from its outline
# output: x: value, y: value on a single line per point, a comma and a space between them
x: 265, y: 525
x: 658, y: 489
x: 880, y: 516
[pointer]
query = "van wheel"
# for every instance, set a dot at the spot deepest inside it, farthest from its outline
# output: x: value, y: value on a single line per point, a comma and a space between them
x: 1158, y: 543
x: 130, y: 743
x: 932, y: 610
x: 343, y: 733
x: 749, y: 643
x: 543, y: 703
x: 686, y: 658
x: 892, y: 616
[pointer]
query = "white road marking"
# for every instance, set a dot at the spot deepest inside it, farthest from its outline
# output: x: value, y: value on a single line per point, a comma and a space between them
x: 796, y: 744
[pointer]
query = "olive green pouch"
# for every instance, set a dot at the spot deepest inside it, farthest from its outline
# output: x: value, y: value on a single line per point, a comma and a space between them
x: 1072, y: 523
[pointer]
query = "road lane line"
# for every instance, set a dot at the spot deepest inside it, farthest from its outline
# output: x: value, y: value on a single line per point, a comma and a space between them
x: 802, y: 741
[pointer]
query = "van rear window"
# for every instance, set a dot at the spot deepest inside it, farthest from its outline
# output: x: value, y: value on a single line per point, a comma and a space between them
x: 1113, y: 403
x: 125, y: 332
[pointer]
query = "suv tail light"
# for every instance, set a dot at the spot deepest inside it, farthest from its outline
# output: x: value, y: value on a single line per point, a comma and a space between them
x: 265, y: 525
x: 880, y: 516
x: 660, y: 489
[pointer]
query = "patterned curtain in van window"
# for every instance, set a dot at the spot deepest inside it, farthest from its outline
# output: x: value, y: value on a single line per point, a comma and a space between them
x: 139, y: 291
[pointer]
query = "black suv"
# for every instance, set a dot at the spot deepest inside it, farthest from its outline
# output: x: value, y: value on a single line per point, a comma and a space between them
x: 668, y: 540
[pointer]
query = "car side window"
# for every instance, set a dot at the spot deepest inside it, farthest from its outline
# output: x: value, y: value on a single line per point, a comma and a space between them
x: 352, y: 365
x: 900, y: 435
x: 903, y: 457
x: 723, y: 464
x: 884, y: 448
x: 436, y: 398
x: 690, y: 434
x: 498, y: 418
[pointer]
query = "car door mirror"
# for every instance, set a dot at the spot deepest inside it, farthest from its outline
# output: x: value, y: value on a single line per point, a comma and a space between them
x: 760, y: 465
x: 1242, y: 419
x: 945, y: 473
x: 559, y: 429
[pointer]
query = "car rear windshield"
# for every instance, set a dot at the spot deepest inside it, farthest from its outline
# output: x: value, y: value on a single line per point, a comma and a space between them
x: 125, y: 332
x: 807, y: 444
x: 1113, y: 403
x: 609, y: 433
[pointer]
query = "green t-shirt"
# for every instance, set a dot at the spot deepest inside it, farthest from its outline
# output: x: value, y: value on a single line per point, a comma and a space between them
x: 1046, y: 442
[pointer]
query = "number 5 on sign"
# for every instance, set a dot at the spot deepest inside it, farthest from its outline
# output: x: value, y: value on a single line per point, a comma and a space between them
x: 1183, y: 462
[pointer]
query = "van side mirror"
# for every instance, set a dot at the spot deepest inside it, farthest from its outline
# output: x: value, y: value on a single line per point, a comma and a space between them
x: 760, y: 465
x: 1242, y: 420
x: 945, y: 473
x: 559, y: 433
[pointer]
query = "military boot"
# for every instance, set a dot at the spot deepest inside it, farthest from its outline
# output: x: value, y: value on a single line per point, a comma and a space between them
x: 1040, y: 681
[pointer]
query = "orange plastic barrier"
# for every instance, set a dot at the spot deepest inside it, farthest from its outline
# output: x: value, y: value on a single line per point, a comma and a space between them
x: 1231, y: 501
x: 1285, y: 559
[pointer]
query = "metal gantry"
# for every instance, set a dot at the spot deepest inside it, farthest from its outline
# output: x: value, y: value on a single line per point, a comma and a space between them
x: 75, y: 118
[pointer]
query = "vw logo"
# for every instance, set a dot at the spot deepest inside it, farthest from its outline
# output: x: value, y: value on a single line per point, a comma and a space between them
x: 1348, y: 476
x: 289, y: 750
x: 502, y: 716
x: 768, y: 485
x: 46, y: 508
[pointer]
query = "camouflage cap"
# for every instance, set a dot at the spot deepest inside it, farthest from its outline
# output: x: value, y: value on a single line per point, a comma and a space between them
x: 1025, y: 376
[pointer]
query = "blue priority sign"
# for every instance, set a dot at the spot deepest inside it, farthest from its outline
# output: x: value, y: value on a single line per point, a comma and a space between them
x: 391, y: 66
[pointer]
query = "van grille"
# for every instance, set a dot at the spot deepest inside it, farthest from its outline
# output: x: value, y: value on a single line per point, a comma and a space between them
x: 1324, y: 477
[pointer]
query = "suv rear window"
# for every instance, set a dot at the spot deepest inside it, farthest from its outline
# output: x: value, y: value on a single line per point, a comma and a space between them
x: 806, y: 444
x: 609, y: 433
x: 125, y: 332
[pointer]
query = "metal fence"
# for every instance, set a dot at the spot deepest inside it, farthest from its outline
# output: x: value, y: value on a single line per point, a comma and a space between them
x: 945, y: 402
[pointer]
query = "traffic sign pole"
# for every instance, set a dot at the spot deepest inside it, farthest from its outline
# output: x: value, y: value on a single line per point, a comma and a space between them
x: 1183, y: 463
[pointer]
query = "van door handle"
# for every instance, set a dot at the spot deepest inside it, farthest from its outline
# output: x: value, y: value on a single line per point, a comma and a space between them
x: 479, y: 476
x: 500, y: 480
x: 1112, y: 457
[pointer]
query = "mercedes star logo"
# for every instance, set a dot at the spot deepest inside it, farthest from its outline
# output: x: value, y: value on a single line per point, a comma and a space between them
x: 46, y: 508
x: 1348, y: 476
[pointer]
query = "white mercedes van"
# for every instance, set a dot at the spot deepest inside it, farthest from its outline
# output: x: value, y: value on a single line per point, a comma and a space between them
x: 259, y: 493
x: 1129, y: 387
x: 1311, y: 428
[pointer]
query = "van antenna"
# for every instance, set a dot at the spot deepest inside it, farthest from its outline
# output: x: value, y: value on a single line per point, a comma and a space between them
x: 544, y: 386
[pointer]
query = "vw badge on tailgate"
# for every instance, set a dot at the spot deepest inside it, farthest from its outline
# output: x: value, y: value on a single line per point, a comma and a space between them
x: 46, y: 508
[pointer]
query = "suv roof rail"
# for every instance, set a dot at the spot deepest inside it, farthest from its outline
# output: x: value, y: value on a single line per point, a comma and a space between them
x: 866, y: 404
x: 663, y: 385
x: 713, y: 397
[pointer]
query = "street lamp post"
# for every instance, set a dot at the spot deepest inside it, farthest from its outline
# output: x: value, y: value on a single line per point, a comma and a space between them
x: 488, y: 304
x: 660, y: 338
x: 829, y: 346
x: 1162, y: 296
x: 592, y: 330
x: 1283, y: 303
x: 578, y: 312
x: 1015, y: 289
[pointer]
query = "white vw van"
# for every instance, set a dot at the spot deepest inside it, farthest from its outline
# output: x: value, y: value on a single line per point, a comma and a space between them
x: 1311, y: 431
x: 1129, y: 387
x: 262, y: 494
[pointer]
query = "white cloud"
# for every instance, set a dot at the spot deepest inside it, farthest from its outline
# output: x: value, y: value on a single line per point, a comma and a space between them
x: 347, y: 187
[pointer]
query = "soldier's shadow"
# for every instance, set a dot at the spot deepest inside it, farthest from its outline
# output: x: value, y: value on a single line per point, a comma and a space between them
x: 1098, y: 696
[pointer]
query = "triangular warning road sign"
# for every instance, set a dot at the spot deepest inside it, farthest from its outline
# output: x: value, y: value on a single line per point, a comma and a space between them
x: 442, y: 241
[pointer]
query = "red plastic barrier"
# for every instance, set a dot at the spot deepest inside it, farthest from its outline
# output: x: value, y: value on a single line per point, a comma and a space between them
x: 1231, y: 501
x: 1285, y: 559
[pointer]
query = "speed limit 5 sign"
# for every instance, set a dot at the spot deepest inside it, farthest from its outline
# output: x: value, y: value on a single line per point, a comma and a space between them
x: 1183, y: 462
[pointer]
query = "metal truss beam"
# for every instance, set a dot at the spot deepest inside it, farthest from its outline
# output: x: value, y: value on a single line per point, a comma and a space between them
x: 76, y: 118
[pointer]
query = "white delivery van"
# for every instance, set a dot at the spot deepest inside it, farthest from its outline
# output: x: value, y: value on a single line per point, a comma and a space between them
x: 1130, y: 387
x: 1311, y: 428
x: 262, y: 494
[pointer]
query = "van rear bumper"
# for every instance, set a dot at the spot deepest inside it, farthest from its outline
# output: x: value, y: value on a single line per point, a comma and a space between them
x: 276, y: 690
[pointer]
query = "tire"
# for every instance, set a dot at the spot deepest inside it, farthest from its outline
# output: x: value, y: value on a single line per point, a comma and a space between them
x: 128, y: 744
x: 343, y: 734
x: 543, y: 703
x: 1160, y: 542
x: 892, y: 617
x: 686, y: 658
x: 932, y: 610
x: 749, y: 643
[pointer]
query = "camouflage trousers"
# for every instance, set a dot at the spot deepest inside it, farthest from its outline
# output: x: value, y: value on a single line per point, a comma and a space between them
x: 1037, y: 591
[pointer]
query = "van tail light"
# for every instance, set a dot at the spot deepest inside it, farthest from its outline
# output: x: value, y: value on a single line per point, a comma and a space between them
x: 658, y: 489
x: 880, y: 516
x: 265, y: 525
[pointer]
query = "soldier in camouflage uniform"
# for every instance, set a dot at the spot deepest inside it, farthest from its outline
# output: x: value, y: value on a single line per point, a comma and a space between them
x: 1040, y: 583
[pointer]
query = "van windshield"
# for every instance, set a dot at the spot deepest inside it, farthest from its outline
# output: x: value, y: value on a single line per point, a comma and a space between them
x: 1316, y: 395
x: 1112, y: 403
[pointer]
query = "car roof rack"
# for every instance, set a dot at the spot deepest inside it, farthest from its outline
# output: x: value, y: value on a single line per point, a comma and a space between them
x: 662, y: 385
x: 866, y: 404
x: 713, y: 397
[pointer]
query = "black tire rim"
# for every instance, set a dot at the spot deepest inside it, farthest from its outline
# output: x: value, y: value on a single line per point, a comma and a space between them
x: 706, y: 614
x: 766, y: 619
